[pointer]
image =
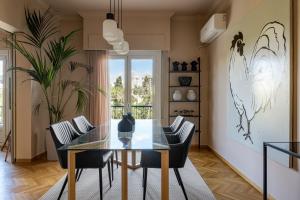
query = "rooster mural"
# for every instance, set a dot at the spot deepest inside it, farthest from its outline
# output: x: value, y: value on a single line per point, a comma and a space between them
x: 255, y: 81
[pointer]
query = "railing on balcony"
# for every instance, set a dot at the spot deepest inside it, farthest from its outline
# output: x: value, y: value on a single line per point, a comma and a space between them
x: 138, y: 112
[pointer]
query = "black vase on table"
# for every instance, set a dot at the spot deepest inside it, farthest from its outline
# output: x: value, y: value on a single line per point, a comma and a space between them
x: 184, y: 66
x: 125, y: 125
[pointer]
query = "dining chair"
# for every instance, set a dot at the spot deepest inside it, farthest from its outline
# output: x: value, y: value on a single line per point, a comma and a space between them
x: 177, y: 155
x: 83, y: 126
x: 63, y: 133
x: 175, y: 126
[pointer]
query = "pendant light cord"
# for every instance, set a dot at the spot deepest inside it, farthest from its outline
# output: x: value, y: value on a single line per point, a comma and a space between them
x: 121, y: 15
x: 118, y: 13
x: 110, y: 6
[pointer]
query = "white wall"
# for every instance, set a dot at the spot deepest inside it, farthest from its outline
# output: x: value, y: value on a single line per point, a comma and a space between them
x: 283, y: 182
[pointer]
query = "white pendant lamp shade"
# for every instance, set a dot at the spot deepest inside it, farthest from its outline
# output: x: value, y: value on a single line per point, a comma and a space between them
x: 120, y: 38
x: 109, y: 28
x: 122, y: 48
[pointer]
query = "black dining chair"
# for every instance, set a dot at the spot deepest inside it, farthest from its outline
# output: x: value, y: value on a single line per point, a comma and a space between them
x: 63, y: 133
x: 83, y: 126
x: 177, y: 155
x: 175, y: 126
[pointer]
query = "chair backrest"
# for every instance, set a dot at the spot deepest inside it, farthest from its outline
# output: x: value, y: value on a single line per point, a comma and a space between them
x: 180, y: 151
x: 82, y: 125
x: 62, y: 133
x: 175, y: 126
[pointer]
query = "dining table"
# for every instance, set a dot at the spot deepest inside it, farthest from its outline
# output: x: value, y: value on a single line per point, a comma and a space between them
x: 146, y: 135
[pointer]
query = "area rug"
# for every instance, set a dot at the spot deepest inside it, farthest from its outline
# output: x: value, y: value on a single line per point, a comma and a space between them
x: 87, y: 188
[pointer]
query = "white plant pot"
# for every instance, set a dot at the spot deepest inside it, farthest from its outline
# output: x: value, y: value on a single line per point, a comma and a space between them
x: 177, y: 95
x: 50, y: 147
x: 191, y: 95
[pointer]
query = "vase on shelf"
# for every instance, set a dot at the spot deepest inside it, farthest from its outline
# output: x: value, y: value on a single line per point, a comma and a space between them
x: 184, y: 66
x: 185, y: 80
x: 175, y: 66
x: 191, y: 95
x: 194, y: 65
x: 177, y: 95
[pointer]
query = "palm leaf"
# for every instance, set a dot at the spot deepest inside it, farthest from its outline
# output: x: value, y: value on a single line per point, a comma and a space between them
x: 41, y: 27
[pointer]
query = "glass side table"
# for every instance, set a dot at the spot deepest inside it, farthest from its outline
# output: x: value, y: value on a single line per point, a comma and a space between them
x: 290, y: 148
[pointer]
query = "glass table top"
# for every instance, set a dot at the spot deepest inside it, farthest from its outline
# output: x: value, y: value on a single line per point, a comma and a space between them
x: 287, y: 147
x: 147, y: 134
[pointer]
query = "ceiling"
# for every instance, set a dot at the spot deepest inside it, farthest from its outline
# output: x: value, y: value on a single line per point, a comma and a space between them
x: 188, y: 7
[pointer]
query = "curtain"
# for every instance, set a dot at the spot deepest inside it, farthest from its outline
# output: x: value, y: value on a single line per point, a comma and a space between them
x: 98, y: 101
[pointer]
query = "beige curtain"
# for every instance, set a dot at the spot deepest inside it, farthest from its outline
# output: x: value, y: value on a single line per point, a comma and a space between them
x: 98, y: 103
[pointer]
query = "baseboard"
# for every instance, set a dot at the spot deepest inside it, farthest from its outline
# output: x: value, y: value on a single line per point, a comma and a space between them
x: 257, y: 187
x: 196, y: 147
x: 37, y: 157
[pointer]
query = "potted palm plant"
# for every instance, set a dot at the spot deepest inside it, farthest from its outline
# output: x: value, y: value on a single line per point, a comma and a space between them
x: 48, y: 56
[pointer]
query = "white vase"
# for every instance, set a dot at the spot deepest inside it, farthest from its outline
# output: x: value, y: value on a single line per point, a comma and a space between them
x: 191, y: 95
x: 177, y: 95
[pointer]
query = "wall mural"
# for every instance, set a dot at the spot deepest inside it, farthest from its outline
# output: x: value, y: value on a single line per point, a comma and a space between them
x: 254, y: 81
x: 259, y: 77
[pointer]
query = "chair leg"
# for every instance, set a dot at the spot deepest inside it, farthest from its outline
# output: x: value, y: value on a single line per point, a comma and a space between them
x: 80, y: 172
x: 145, y: 182
x: 116, y: 152
x: 76, y: 175
x: 180, y: 182
x: 112, y: 167
x: 109, y: 172
x: 100, y: 183
x: 63, y: 187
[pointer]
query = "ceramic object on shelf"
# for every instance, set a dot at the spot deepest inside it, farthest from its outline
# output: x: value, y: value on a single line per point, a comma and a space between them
x: 184, y: 66
x: 185, y: 80
x: 175, y: 66
x: 191, y: 95
x: 177, y: 96
x: 194, y: 65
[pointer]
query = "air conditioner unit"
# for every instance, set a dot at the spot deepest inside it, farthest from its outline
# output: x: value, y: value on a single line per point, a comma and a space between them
x: 213, y: 28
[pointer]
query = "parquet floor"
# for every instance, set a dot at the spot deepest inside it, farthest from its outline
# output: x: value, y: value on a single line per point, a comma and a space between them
x: 29, y: 181
x: 221, y: 179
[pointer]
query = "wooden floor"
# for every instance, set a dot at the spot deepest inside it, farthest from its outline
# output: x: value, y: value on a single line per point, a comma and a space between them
x: 30, y: 181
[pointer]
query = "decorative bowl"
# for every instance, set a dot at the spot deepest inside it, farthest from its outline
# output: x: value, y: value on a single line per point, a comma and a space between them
x: 185, y: 80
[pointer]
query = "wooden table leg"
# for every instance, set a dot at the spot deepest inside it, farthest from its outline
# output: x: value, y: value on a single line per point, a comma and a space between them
x: 124, y: 175
x: 165, y: 175
x: 71, y: 175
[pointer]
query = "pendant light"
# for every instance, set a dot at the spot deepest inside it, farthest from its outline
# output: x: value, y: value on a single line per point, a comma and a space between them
x: 122, y: 48
x: 109, y: 28
x: 112, y: 30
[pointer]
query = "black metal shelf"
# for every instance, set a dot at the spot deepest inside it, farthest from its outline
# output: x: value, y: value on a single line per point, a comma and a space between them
x: 184, y: 72
x: 191, y: 86
x: 197, y: 116
x: 171, y: 101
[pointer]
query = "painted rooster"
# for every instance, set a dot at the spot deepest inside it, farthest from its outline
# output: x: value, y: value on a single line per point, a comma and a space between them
x: 254, y: 81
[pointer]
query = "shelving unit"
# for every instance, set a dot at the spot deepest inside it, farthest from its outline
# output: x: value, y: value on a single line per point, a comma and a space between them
x: 185, y: 103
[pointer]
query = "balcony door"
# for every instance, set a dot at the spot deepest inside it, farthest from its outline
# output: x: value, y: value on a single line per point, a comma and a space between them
x: 135, y: 84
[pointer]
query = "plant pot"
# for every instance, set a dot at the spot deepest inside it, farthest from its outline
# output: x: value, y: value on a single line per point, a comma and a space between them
x: 50, y: 147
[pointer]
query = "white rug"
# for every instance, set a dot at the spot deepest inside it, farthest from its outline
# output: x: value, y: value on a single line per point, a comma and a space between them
x: 87, y: 188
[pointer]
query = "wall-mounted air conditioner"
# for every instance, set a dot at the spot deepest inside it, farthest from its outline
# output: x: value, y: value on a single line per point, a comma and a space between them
x: 213, y: 28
